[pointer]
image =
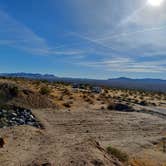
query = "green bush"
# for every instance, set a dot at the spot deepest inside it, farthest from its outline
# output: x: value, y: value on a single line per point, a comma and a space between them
x: 45, y: 90
x: 117, y: 153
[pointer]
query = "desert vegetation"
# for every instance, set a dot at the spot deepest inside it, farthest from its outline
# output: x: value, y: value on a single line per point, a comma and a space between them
x: 54, y: 115
x: 117, y: 153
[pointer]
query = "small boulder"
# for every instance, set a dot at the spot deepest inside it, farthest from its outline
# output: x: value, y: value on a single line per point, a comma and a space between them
x: 2, y: 142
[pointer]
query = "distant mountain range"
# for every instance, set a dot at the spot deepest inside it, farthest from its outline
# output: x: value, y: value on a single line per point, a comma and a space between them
x: 30, y: 76
x: 122, y: 82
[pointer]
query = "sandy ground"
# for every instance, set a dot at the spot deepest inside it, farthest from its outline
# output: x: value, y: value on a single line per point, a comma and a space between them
x: 69, y: 138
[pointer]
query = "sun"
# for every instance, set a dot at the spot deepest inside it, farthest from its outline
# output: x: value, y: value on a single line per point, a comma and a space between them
x: 155, y: 2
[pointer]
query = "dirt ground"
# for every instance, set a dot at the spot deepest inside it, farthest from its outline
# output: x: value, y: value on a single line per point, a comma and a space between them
x: 77, y: 138
x: 78, y: 128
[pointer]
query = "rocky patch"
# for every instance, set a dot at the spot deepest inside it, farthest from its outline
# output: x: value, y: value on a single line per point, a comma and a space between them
x: 16, y: 117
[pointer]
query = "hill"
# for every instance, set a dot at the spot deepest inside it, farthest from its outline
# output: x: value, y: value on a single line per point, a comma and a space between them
x: 141, y: 84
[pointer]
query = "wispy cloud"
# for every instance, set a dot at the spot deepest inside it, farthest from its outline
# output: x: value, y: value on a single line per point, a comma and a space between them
x: 134, y: 22
x: 17, y: 35
x: 126, y: 34
x: 131, y: 33
x: 113, y: 35
x: 127, y: 65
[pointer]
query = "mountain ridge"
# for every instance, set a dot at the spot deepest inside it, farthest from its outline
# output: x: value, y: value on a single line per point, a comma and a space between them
x: 121, y: 82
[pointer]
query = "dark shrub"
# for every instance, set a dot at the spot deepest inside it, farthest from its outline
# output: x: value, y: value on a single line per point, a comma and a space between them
x: 45, y: 90
x: 2, y: 142
x: 90, y: 101
x: 143, y: 103
x: 97, y: 162
x: 67, y: 105
x: 14, y: 91
x: 119, y: 107
x: 102, y: 108
x: 154, y: 104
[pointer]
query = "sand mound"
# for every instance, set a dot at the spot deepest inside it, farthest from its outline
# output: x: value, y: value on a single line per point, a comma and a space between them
x: 30, y: 99
x: 28, y: 146
x: 88, y: 153
x: 11, y: 94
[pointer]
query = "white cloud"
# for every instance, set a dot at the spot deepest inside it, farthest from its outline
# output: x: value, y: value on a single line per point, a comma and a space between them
x: 118, y: 31
x: 17, y: 35
x: 131, y: 32
x: 128, y: 65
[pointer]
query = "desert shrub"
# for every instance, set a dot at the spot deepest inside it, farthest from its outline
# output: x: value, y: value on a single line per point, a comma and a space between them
x: 102, y: 107
x: 84, y: 97
x: 61, y: 97
x: 136, y: 101
x: 66, y: 92
x: 110, y: 106
x: 2, y: 142
x: 14, y: 90
x: 143, y: 103
x: 98, y: 99
x: 97, y: 162
x: 67, y: 105
x: 102, y: 102
x: 71, y: 97
x: 119, y: 107
x: 37, y: 82
x: 141, y: 98
x: 45, y: 90
x: 92, y: 96
x: 153, y: 104
x: 89, y: 100
x: 106, y: 91
x: 117, y: 153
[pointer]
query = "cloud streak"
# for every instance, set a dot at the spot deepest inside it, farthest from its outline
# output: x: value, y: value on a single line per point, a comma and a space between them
x: 112, y: 35
x: 133, y: 36
x: 128, y: 65
x: 14, y: 34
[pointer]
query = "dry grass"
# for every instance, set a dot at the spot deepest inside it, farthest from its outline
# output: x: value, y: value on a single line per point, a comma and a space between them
x: 145, y: 162
x: 59, y: 93
x: 117, y: 153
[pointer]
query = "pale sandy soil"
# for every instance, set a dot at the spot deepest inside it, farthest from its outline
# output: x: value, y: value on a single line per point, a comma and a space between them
x: 65, y: 139
x: 72, y: 132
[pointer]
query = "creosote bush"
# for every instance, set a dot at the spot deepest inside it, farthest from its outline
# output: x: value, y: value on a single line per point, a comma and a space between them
x: 67, y: 105
x: 117, y: 153
x: 119, y: 107
x: 45, y: 90
x: 144, y: 103
x: 14, y: 91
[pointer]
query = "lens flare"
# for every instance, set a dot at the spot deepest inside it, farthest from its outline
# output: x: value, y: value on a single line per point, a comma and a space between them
x: 155, y: 2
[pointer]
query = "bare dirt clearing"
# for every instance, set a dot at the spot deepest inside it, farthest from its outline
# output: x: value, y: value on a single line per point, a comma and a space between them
x: 78, y: 128
x: 69, y: 138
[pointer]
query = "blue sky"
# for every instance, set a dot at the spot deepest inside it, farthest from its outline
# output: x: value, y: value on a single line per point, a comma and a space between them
x: 83, y: 38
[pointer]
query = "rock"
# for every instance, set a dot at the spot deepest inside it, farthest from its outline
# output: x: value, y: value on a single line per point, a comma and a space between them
x: 13, y: 118
x: 31, y: 116
x: 17, y: 117
x: 21, y: 121
x: 2, y: 142
x: 31, y: 123
x: 4, y: 111
x: 14, y: 114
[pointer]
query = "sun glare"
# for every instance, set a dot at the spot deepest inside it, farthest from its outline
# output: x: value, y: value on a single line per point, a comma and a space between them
x: 155, y: 2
